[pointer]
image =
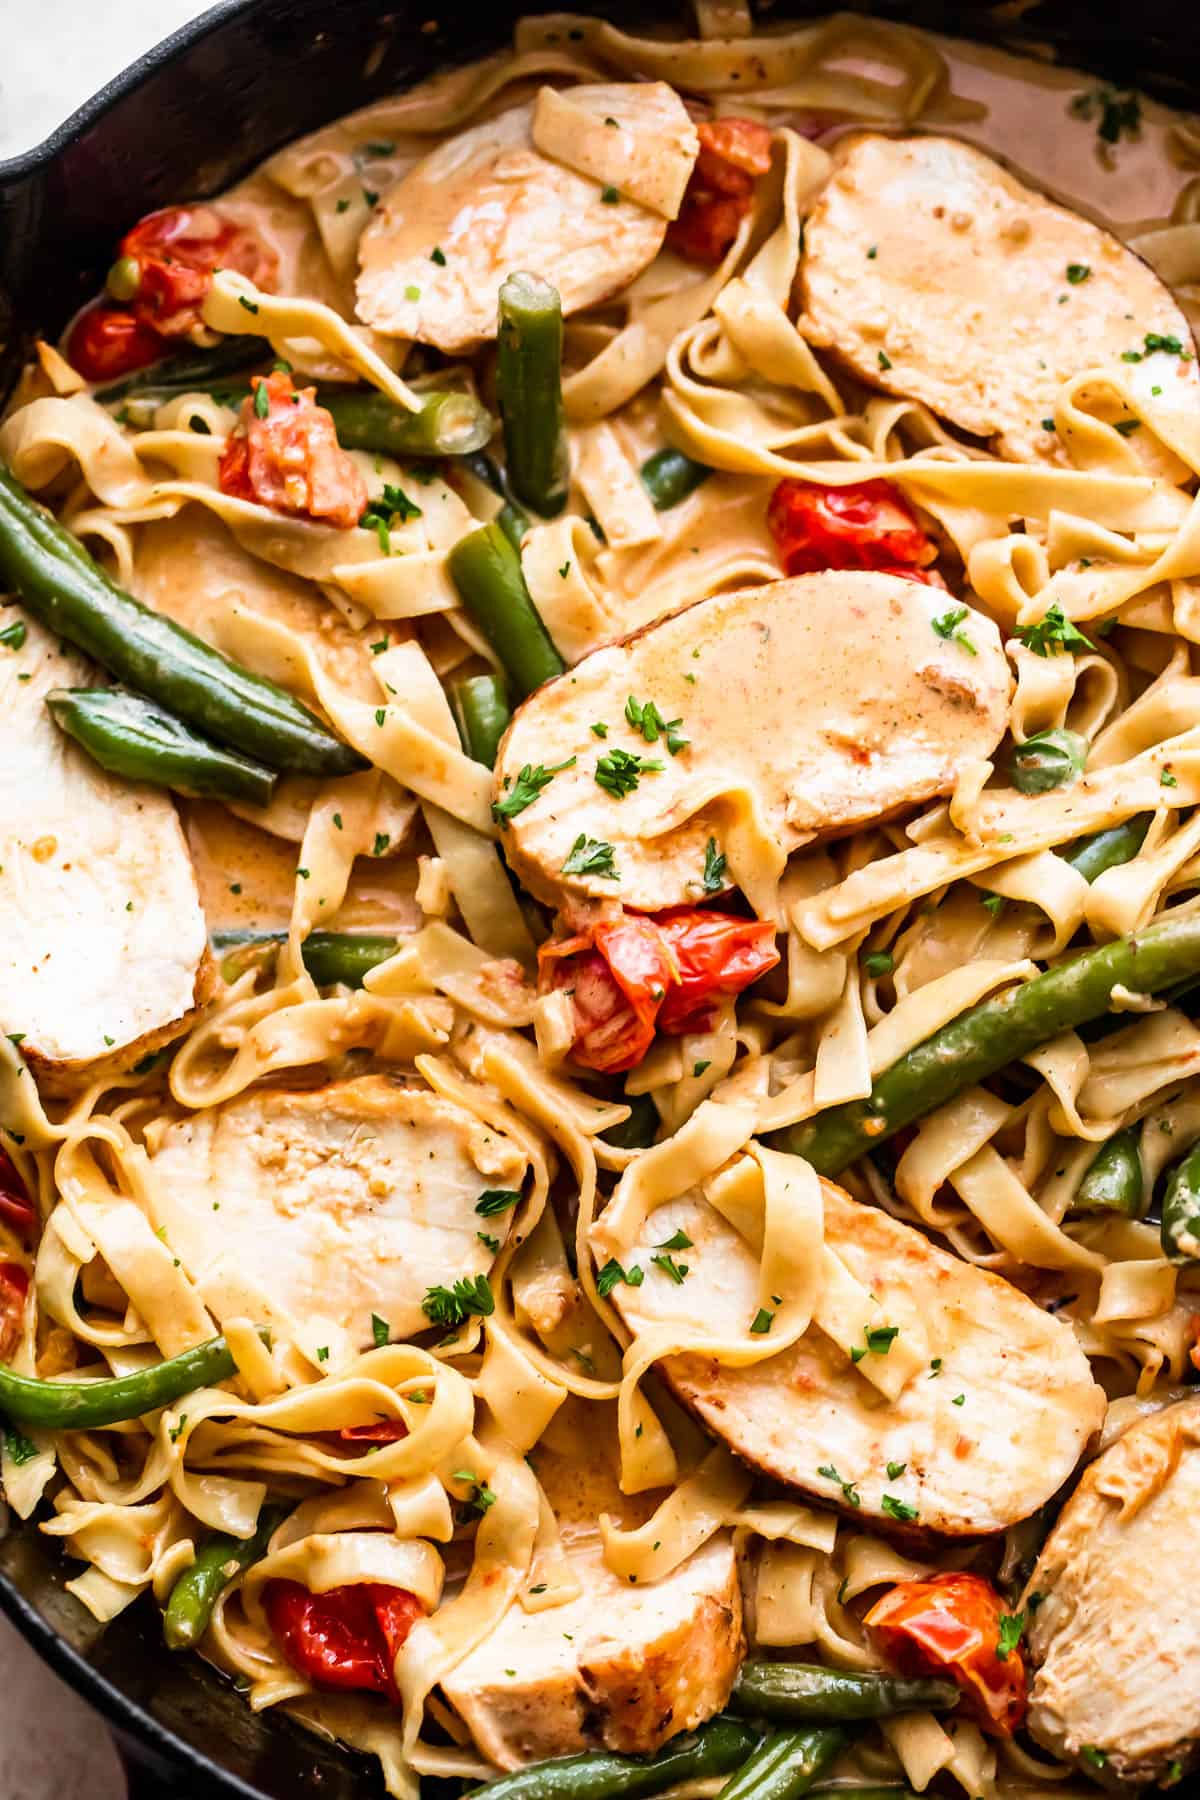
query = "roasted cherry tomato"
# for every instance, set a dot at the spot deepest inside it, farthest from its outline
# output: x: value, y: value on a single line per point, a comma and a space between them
x: 733, y: 154
x: 385, y: 1431
x: 14, y: 1286
x: 104, y: 343
x: 867, y: 526
x: 347, y: 1638
x: 950, y: 1625
x: 16, y: 1209
x: 639, y: 973
x: 287, y: 456
x: 165, y: 265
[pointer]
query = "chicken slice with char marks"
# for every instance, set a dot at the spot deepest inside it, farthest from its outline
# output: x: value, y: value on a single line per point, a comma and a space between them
x: 934, y: 273
x: 1114, y: 1630
x: 105, y: 951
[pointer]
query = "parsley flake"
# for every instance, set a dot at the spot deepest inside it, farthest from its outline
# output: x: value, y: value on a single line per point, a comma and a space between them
x: 1012, y: 1628
x: 848, y: 1487
x: 677, y: 1271
x: 885, y: 361
x: 713, y: 879
x: 262, y: 400
x: 384, y: 511
x: 1077, y: 272
x: 678, y: 1240
x: 895, y: 1470
x: 470, y: 1296
x: 438, y: 256
x: 494, y: 1201
x: 762, y: 1322
x: 381, y: 1331
x: 879, y: 962
x: 948, y: 627
x: 898, y: 1509
x: 610, y: 196
x: 1053, y: 631
x: 530, y: 781
x: 612, y: 1272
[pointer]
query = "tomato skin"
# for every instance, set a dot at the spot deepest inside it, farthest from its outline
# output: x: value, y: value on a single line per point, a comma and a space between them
x: 176, y: 251
x: 868, y: 525
x: 290, y: 458
x: 14, y: 1289
x: 645, y: 972
x: 16, y: 1208
x: 733, y: 153
x: 105, y: 342
x: 950, y: 1625
x: 346, y: 1638
x: 384, y: 1431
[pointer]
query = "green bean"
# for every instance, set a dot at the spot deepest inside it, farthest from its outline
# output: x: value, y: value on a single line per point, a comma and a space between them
x: 785, y: 1764
x: 669, y: 477
x: 1113, y: 1180
x: 191, y: 371
x: 191, y: 1601
x: 994, y: 1033
x: 450, y: 423
x: 513, y: 523
x: 71, y: 595
x: 1180, y: 1228
x: 486, y: 570
x: 484, y: 469
x: 809, y: 1691
x: 639, y: 1129
x: 1048, y: 760
x: 80, y: 1405
x: 481, y: 702
x: 841, y: 1792
x: 529, y: 386
x: 1091, y: 856
x: 721, y: 1745
x: 331, y: 957
x: 132, y: 737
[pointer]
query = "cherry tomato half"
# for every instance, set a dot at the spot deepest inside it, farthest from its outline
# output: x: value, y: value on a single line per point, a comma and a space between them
x: 165, y: 265
x: 733, y: 153
x: 16, y: 1208
x: 104, y: 343
x: 288, y: 457
x: 346, y: 1638
x: 950, y: 1625
x: 14, y: 1287
x: 869, y: 525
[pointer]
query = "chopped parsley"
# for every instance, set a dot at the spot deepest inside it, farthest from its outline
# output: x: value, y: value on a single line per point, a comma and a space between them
x: 1077, y: 272
x: 1166, y: 779
x: 993, y: 903
x: 898, y: 1509
x: 380, y: 147
x: 1117, y: 114
x: 565, y: 570
x: 880, y: 1338
x: 895, y: 1470
x: 591, y: 856
x: 645, y: 717
x: 1157, y: 340
x: 382, y: 840
x: 848, y: 1487
x: 948, y: 626
x: 610, y: 196
x: 250, y: 306
x: 612, y: 1272
x: 438, y: 256
x: 526, y: 788
x: 381, y: 715
x: 762, y: 1322
x: 175, y: 1432
x: 600, y: 729
x: 384, y: 511
x: 381, y: 1331
x: 879, y: 962
x: 698, y: 1068
x: 935, y: 1367
x: 488, y: 1241
x: 262, y: 400
x: 412, y: 292
x: 1097, y: 1758
x: 885, y: 361
x: 323, y: 1353
x: 1126, y: 427
x: 713, y: 879
x: 481, y: 1496
x: 494, y: 1201
x: 678, y: 1240
x: 1053, y: 631
x: 676, y: 1270
x: 342, y: 206
x: 1012, y: 1627
x: 959, y: 1400
x: 470, y: 1296
x: 619, y: 771
x: 19, y: 1448
x: 370, y: 196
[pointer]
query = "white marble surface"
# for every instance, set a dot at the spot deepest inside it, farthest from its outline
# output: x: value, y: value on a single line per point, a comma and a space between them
x: 55, y: 54
x: 58, y: 52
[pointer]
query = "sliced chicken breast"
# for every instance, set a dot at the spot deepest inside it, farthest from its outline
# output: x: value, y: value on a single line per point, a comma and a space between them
x: 976, y: 1440
x: 313, y: 1211
x: 1114, y: 1630
x: 621, y: 1667
x: 104, y: 951
x: 491, y: 203
x: 818, y: 703
x: 935, y: 274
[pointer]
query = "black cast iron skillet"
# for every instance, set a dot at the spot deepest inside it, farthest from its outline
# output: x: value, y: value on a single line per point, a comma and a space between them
x: 184, y: 121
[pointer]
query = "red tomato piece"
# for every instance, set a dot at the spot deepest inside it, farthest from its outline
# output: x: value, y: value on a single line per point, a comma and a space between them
x: 347, y: 1638
x: 717, y: 955
x: 105, y: 342
x: 289, y: 457
x: 869, y: 525
x: 720, y: 192
x: 385, y: 1431
x: 949, y: 1625
x: 16, y: 1209
x: 176, y: 251
x: 618, y: 973
x: 14, y: 1287
x: 639, y: 973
